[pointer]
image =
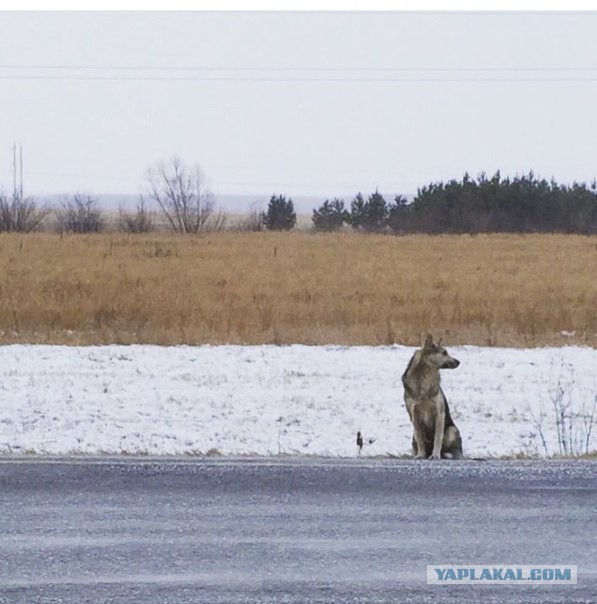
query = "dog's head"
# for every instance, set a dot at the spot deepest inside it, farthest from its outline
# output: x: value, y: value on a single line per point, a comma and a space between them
x: 436, y: 355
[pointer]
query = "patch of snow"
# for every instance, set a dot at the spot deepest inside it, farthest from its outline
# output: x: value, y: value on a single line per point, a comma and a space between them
x: 270, y: 400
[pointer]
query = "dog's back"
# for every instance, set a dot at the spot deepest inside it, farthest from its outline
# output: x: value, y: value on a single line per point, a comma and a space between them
x: 426, y: 402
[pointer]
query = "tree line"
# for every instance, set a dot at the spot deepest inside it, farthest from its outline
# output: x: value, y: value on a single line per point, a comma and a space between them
x: 521, y: 204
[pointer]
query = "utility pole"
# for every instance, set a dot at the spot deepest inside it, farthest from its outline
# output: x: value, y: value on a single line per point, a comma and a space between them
x: 21, y: 164
x: 14, y: 170
x: 17, y: 191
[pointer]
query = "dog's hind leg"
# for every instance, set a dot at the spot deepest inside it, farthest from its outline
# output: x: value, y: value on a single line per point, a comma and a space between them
x: 452, y: 443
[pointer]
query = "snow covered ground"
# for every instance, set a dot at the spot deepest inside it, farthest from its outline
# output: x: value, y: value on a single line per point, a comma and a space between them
x: 270, y: 400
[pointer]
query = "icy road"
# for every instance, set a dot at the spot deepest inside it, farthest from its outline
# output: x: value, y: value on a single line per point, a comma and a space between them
x: 288, y: 530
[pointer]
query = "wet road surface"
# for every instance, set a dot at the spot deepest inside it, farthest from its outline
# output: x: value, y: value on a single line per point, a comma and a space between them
x: 288, y: 530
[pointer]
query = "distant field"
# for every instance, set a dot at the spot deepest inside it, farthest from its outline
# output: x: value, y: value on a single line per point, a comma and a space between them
x: 253, y: 288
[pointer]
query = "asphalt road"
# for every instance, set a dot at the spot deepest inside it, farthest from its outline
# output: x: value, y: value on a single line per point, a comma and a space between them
x: 288, y: 531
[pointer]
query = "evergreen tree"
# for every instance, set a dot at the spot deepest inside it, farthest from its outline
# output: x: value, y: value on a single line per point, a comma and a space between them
x: 371, y: 215
x: 330, y: 216
x: 377, y: 213
x: 358, y: 212
x: 398, y: 214
x: 280, y: 215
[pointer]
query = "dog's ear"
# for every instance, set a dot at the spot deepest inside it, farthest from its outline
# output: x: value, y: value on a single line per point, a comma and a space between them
x: 428, y: 342
x: 440, y: 341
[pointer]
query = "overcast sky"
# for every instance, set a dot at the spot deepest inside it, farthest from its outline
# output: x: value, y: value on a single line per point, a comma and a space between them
x: 297, y: 103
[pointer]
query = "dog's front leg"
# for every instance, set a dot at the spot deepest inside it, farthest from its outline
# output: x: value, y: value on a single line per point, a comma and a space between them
x: 438, y: 437
x: 419, y: 425
x: 418, y: 447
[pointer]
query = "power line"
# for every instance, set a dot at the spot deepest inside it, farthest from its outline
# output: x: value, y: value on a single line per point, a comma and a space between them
x: 298, y: 79
x: 314, y: 74
x: 270, y: 68
x: 145, y: 73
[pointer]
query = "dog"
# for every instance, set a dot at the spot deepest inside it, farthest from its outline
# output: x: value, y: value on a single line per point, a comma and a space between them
x: 435, y: 434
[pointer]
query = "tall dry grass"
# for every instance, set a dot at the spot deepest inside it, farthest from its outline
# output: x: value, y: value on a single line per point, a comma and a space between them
x: 298, y: 287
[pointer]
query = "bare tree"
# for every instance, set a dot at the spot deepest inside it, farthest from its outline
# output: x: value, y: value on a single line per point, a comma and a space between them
x: 139, y: 221
x: 181, y: 195
x: 574, y: 419
x: 80, y: 214
x: 254, y: 221
x: 20, y: 214
x: 218, y: 221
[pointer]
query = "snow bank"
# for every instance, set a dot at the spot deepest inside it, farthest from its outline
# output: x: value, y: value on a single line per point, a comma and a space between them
x: 269, y: 400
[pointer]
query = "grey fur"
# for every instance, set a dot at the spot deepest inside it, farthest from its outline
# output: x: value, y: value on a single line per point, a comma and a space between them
x: 435, y: 434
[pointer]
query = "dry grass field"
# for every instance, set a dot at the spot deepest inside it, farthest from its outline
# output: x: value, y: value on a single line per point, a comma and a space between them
x: 253, y: 288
